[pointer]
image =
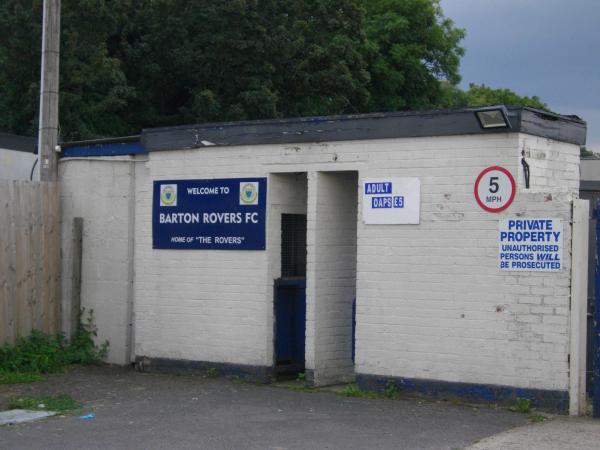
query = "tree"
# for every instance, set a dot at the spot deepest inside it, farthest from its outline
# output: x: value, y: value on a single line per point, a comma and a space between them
x: 94, y: 91
x: 243, y: 59
x: 411, y: 46
x: 130, y: 64
x: 482, y: 95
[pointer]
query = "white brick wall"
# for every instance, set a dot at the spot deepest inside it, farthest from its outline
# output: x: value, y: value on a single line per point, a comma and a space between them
x: 431, y: 301
x: 99, y: 191
x: 331, y: 282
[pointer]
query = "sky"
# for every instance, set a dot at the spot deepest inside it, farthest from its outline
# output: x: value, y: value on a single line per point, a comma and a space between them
x: 548, y: 48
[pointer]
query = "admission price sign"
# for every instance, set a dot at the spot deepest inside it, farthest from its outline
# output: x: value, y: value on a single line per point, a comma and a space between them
x: 225, y: 214
x: 495, y: 189
x: 391, y: 200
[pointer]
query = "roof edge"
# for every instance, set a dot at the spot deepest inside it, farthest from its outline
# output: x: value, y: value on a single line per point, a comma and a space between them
x: 18, y: 143
x: 402, y: 124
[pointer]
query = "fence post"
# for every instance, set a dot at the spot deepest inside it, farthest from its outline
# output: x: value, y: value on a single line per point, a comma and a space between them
x: 76, y: 250
x: 579, y: 283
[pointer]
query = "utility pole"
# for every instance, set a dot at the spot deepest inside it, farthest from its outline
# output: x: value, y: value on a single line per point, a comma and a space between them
x: 48, y: 126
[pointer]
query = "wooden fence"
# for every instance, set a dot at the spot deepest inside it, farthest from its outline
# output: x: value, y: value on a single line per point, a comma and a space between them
x: 29, y: 258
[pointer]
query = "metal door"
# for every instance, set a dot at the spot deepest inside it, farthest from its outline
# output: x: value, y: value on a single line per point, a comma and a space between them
x: 290, y: 325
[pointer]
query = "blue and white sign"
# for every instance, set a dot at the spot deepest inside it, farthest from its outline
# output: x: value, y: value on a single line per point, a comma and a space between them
x: 391, y: 200
x: 227, y: 214
x: 533, y: 245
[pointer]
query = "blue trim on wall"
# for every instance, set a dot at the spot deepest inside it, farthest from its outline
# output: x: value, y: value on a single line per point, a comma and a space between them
x: 553, y: 400
x: 111, y: 149
x: 261, y: 374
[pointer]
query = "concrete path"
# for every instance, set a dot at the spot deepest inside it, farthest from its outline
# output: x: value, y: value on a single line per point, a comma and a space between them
x: 148, y: 411
x: 15, y: 416
x: 560, y: 433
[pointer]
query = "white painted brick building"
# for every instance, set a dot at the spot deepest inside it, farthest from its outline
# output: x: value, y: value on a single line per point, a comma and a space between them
x: 434, y: 313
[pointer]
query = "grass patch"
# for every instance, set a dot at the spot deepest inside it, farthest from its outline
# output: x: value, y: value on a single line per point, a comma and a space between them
x: 60, y: 403
x: 19, y: 377
x: 352, y: 390
x: 537, y: 418
x: 41, y: 353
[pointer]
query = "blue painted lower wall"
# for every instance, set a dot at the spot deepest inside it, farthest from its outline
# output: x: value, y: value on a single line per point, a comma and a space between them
x: 262, y: 374
x: 552, y: 400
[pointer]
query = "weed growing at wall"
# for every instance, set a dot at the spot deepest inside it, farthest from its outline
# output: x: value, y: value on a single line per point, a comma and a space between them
x: 522, y: 405
x: 537, y: 418
x: 40, y: 353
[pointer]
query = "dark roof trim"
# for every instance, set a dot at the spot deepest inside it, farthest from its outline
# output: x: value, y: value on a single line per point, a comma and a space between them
x: 130, y: 145
x: 589, y: 185
x: 569, y: 129
x: 91, y: 142
x: 18, y: 143
x: 360, y: 127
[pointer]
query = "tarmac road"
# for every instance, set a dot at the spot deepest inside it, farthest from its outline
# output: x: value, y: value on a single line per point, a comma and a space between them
x: 152, y: 411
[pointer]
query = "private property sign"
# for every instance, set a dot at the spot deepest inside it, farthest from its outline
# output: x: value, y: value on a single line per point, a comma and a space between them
x: 226, y: 214
x: 531, y: 245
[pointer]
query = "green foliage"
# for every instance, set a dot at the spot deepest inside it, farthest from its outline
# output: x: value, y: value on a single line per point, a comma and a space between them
x: 59, y: 403
x: 352, y: 390
x: 40, y: 353
x: 410, y: 47
x: 301, y: 376
x: 94, y: 93
x: 212, y: 373
x: 130, y: 64
x: 522, y: 405
x: 19, y: 377
x: 585, y: 153
x: 537, y: 418
x: 482, y: 95
x: 391, y: 391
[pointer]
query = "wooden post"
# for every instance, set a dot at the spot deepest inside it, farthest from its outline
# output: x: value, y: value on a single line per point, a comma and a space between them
x: 579, y: 282
x: 76, y: 250
x: 48, y: 124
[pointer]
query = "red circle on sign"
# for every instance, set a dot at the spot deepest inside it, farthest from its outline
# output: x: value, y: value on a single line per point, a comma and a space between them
x: 512, y: 193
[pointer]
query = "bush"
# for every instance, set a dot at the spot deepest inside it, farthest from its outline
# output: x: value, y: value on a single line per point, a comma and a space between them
x: 41, y: 353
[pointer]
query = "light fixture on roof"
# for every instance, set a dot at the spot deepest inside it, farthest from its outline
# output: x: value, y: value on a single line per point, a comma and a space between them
x: 493, y: 117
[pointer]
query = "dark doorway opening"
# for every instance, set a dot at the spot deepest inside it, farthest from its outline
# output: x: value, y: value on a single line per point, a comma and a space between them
x: 290, y: 298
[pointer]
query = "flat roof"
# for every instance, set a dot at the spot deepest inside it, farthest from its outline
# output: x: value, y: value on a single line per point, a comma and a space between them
x: 569, y: 129
x: 18, y: 143
x: 352, y: 127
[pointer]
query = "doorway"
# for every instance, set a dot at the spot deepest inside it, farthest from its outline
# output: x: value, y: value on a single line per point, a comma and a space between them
x: 290, y: 298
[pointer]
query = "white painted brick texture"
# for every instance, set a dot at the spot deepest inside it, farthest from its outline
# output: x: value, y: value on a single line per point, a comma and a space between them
x: 431, y: 300
x: 432, y: 303
x: 331, y: 283
x: 98, y: 191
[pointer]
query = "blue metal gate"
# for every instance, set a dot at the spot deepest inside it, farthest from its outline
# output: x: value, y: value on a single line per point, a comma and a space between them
x: 596, y: 350
x: 290, y: 325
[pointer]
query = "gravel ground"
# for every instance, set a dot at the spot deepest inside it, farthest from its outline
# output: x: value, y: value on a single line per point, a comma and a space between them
x: 155, y: 411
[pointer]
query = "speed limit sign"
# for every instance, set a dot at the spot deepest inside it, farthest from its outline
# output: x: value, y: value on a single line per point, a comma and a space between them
x: 495, y: 189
